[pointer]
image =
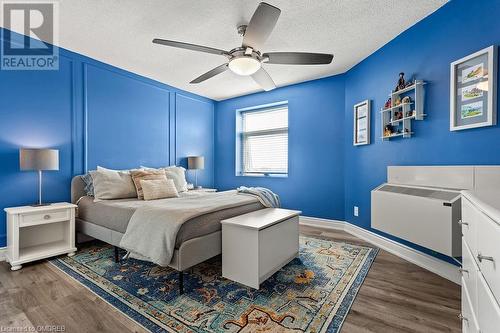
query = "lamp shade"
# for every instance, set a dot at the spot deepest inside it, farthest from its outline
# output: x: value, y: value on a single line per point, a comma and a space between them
x: 39, y: 159
x: 196, y: 162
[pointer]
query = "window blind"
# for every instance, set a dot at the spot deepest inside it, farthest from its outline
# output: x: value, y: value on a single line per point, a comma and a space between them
x: 265, y: 141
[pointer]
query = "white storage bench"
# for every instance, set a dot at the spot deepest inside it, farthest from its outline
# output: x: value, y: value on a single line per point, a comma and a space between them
x: 258, y: 244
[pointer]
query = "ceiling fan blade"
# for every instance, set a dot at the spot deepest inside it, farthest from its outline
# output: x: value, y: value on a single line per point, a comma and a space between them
x: 263, y: 79
x: 217, y: 70
x: 298, y: 58
x: 261, y: 25
x: 192, y: 47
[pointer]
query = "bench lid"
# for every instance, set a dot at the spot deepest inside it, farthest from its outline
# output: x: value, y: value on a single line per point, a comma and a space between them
x: 261, y: 218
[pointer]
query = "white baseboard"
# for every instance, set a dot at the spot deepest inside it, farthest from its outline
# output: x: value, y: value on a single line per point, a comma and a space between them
x: 323, y: 223
x: 437, y: 266
x: 3, y: 253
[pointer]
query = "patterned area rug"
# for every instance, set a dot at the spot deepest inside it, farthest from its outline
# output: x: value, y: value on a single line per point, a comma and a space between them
x: 313, y: 293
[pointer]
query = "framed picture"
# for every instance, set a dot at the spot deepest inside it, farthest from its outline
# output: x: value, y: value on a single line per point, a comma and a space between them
x: 473, y: 94
x: 362, y: 123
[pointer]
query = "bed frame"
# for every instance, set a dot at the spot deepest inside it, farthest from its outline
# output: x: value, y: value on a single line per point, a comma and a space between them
x: 189, y: 253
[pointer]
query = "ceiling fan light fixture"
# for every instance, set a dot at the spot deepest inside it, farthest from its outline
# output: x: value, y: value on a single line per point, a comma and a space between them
x: 244, y: 65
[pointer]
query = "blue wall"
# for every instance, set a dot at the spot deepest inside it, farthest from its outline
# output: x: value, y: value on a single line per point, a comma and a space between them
x: 95, y: 114
x: 425, y: 50
x: 320, y: 134
x: 316, y: 159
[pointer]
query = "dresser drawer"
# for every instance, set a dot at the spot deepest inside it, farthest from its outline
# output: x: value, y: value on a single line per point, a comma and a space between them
x: 470, y: 216
x: 488, y: 253
x: 488, y: 309
x: 469, y: 320
x: 44, y: 217
x: 470, y: 272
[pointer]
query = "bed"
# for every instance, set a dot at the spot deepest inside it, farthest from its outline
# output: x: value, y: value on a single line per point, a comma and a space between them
x: 198, y: 239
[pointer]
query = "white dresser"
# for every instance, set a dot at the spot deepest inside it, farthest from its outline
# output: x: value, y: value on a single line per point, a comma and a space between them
x: 481, y: 261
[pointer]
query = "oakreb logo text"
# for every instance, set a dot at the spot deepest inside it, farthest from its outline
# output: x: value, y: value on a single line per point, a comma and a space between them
x: 29, y: 35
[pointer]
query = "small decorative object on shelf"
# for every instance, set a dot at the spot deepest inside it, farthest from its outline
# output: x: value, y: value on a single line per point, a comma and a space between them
x: 401, y: 82
x: 405, y: 104
x: 387, y: 130
x: 410, y: 83
x: 387, y: 104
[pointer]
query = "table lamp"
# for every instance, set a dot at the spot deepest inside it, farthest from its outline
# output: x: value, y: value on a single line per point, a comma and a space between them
x: 39, y: 160
x: 196, y: 163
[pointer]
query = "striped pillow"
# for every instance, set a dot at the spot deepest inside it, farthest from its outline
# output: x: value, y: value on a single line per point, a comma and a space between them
x: 138, y: 175
x: 158, y: 189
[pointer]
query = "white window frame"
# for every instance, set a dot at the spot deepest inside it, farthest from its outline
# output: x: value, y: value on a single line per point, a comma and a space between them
x: 243, y: 135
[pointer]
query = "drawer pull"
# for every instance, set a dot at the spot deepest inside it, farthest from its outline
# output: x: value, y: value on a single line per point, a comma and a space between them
x: 461, y: 270
x: 480, y: 257
x: 461, y: 317
x: 462, y: 222
x: 46, y: 217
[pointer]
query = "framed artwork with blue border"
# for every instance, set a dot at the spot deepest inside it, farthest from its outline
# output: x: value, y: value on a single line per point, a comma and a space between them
x: 473, y: 94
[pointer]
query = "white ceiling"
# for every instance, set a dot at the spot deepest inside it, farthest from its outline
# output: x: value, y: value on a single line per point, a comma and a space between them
x: 119, y: 32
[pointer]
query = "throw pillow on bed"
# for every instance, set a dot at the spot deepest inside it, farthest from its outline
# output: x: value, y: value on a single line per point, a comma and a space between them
x: 89, y: 184
x: 177, y: 174
x: 112, y: 184
x: 138, y: 175
x: 158, y: 188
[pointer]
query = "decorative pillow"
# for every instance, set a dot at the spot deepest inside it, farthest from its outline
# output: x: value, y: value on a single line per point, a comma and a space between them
x: 112, y: 184
x: 138, y: 175
x: 89, y: 184
x: 158, y: 189
x: 177, y: 174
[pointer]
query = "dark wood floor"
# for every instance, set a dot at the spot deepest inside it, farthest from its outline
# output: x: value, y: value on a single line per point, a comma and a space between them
x: 397, y: 296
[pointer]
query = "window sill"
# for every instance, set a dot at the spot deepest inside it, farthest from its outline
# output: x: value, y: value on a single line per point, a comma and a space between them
x: 262, y: 175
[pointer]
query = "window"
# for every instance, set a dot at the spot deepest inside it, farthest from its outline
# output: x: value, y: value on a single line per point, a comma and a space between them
x: 263, y: 141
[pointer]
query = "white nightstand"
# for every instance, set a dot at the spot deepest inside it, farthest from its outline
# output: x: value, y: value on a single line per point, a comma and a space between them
x: 35, y: 233
x: 208, y: 190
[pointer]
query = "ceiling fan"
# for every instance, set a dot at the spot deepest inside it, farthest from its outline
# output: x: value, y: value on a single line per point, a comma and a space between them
x: 247, y: 60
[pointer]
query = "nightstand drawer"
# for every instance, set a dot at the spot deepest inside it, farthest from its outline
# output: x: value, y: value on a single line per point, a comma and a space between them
x: 43, y: 217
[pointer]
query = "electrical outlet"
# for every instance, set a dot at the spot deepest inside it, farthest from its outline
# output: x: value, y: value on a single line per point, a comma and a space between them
x: 356, y: 211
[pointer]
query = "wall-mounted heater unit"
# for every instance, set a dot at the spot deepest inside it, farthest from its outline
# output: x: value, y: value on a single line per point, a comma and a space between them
x: 424, y: 216
x: 422, y: 204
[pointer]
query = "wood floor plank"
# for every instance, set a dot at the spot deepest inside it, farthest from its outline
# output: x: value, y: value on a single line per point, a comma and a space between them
x: 397, y: 296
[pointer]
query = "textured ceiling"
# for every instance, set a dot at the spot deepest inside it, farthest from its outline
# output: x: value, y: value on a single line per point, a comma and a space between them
x: 119, y: 32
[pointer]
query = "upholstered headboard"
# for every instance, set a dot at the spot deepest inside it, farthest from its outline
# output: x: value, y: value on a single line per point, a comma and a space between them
x: 77, y: 188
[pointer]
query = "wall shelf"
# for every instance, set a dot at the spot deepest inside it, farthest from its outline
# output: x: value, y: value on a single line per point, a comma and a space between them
x: 407, y: 134
x: 402, y: 105
x: 399, y: 116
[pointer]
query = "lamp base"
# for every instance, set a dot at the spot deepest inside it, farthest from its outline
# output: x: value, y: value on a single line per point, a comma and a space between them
x: 40, y: 204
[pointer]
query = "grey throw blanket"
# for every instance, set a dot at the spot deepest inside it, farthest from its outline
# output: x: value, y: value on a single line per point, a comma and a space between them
x: 267, y: 197
x: 153, y: 228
